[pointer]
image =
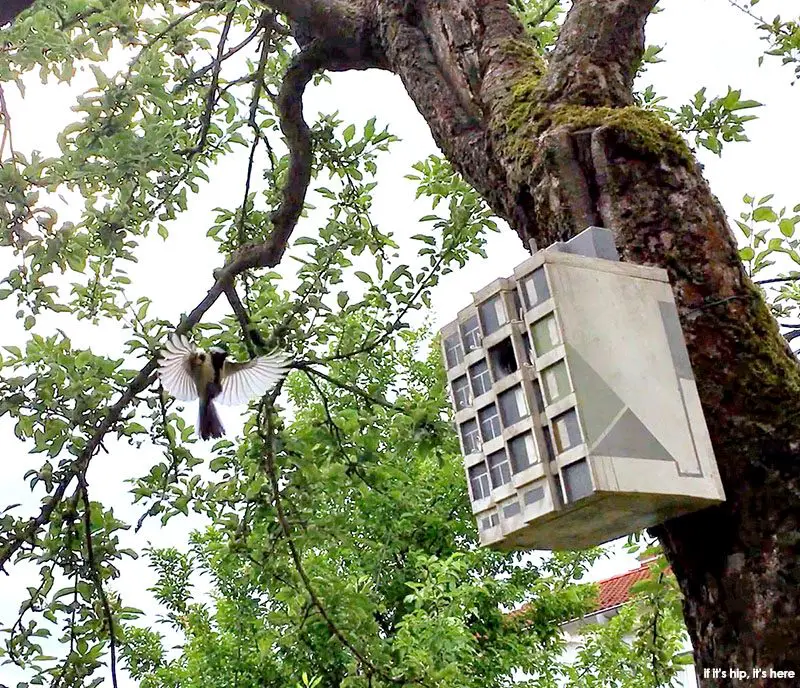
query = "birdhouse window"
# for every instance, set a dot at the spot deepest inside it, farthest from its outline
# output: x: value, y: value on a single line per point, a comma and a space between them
x: 479, y: 482
x: 512, y: 406
x: 461, y: 393
x: 490, y: 422
x: 470, y: 437
x: 567, y: 431
x: 493, y: 314
x: 535, y: 289
x: 534, y: 495
x: 499, y: 468
x: 577, y: 480
x: 481, y: 380
x: 548, y: 444
x: 453, y: 351
x: 546, y: 336
x: 556, y: 382
x: 523, y: 452
x: 471, y: 334
x: 503, y: 360
x: 537, y: 396
x: 511, y: 510
x: 526, y: 348
x: 490, y: 522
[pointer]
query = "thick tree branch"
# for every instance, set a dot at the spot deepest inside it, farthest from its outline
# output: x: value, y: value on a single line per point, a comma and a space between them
x: 345, y: 27
x: 298, y: 137
x: 596, y: 66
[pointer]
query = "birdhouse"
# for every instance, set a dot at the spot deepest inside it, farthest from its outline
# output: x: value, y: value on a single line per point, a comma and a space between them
x: 575, y: 402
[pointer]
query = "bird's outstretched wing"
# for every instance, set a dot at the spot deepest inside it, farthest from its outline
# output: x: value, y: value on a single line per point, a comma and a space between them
x: 175, y: 368
x: 254, y: 378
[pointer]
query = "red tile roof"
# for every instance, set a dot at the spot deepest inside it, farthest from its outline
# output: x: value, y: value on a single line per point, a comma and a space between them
x: 616, y: 590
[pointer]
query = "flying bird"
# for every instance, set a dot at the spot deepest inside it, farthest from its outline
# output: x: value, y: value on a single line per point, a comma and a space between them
x: 189, y: 373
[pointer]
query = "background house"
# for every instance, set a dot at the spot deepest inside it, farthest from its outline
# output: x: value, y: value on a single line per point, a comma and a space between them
x: 613, y: 594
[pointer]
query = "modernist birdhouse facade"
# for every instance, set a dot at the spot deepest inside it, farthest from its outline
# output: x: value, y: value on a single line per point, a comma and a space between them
x: 575, y: 402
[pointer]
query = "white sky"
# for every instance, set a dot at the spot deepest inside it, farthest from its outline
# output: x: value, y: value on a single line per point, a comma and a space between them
x: 707, y: 43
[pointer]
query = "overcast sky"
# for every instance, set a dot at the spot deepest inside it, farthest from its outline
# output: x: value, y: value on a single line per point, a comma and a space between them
x: 706, y: 43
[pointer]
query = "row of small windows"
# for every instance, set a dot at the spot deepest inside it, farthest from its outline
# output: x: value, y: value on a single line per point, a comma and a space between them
x: 501, y: 465
x: 511, y: 509
x: 577, y: 483
x: 566, y: 429
x: 513, y: 408
x: 492, y: 316
x: 502, y: 363
x: 546, y: 336
x: 521, y: 454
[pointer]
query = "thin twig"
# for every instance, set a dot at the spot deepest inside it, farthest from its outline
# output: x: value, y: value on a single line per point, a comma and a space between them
x: 171, y: 26
x: 211, y: 96
x: 353, y: 389
x: 98, y: 580
x: 7, y: 136
x: 258, y: 79
x: 195, y: 76
x: 543, y: 14
x: 336, y: 431
x: 252, y: 337
x: 776, y: 280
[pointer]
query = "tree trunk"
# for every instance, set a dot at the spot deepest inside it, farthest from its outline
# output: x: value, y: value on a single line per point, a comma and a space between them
x: 554, y: 148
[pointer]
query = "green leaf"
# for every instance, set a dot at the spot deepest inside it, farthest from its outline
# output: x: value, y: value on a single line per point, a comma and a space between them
x: 787, y: 225
x: 764, y: 214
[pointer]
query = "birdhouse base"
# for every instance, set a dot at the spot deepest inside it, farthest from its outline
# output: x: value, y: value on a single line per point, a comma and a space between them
x: 597, y: 519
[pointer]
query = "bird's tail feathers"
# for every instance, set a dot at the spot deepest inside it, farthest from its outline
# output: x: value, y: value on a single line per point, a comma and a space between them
x: 209, y: 423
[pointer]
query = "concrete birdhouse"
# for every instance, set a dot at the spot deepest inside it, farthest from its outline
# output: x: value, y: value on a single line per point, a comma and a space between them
x: 575, y: 401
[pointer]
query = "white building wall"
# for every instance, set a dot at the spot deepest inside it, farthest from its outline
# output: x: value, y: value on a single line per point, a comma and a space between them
x: 685, y: 678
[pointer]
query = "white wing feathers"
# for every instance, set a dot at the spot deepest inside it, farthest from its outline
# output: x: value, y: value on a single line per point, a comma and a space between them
x: 175, y: 370
x: 251, y: 379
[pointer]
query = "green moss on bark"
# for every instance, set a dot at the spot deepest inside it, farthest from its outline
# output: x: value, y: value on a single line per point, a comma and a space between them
x: 517, y: 108
x: 642, y: 130
x: 523, y: 119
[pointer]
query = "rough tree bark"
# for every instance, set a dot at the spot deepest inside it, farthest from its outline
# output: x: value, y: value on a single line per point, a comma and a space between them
x: 558, y: 146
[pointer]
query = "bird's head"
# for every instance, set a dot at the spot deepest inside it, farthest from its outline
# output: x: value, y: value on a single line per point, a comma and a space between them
x: 218, y: 355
